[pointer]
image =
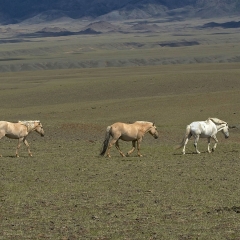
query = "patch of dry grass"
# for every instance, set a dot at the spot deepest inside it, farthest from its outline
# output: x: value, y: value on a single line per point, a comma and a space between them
x: 66, y: 191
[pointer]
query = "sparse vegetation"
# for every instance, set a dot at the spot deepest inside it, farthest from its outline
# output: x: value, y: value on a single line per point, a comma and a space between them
x: 67, y: 191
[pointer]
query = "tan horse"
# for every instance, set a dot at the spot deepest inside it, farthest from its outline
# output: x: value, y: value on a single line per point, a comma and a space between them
x: 20, y: 131
x: 127, y: 132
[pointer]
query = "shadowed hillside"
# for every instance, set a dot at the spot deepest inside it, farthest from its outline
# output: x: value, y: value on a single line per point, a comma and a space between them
x: 231, y: 24
x: 16, y: 11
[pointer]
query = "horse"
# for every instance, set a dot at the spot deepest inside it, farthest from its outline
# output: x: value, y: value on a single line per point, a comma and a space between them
x: 20, y: 131
x: 127, y: 132
x: 204, y: 129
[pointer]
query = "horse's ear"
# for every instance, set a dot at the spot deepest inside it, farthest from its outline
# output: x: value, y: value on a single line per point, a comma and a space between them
x: 153, y: 123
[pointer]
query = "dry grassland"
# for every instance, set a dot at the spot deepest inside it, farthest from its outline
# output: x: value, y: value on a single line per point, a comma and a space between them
x: 66, y: 191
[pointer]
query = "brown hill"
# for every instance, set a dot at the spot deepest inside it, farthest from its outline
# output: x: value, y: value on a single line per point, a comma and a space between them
x: 101, y: 26
x: 143, y: 27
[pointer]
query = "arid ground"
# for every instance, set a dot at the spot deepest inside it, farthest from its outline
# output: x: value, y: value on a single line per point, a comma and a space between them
x: 66, y: 190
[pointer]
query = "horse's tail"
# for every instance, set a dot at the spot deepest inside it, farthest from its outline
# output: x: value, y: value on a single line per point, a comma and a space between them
x: 106, y: 140
x: 187, y: 133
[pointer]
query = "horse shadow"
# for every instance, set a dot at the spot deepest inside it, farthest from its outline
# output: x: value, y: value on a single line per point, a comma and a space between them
x: 13, y: 156
x: 189, y: 153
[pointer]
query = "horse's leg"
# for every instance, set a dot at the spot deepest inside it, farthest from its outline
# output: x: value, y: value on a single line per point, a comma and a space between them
x: 138, y: 147
x: 216, y: 141
x: 184, y: 146
x: 133, y: 148
x: 185, y: 143
x: 28, y: 147
x: 18, y: 146
x: 209, y: 145
x: 195, y: 143
x: 118, y: 148
x: 1, y: 136
x: 111, y: 143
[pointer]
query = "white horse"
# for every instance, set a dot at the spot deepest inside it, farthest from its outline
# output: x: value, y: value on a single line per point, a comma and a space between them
x: 20, y: 131
x: 204, y: 129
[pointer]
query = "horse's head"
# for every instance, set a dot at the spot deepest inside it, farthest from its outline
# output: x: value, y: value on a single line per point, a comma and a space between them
x: 153, y: 131
x: 38, y: 128
x: 221, y: 126
x: 225, y: 130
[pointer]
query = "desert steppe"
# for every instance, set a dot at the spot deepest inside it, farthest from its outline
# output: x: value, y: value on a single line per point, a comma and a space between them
x: 77, y: 85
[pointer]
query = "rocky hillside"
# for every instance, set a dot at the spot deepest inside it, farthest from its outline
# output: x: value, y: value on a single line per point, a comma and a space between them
x: 15, y: 11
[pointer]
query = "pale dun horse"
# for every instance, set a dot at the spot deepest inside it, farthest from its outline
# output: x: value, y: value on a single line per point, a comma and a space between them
x: 127, y: 132
x: 20, y: 131
x: 204, y: 129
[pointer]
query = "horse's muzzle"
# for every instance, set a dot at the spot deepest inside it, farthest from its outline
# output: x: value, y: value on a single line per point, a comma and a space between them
x: 155, y: 136
x: 226, y: 137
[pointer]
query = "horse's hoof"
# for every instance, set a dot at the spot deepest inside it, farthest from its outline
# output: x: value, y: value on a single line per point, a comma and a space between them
x: 17, y: 156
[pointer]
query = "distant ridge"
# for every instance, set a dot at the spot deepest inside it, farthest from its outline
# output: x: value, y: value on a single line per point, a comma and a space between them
x: 231, y: 24
x: 101, y: 26
x: 89, y: 31
x: 16, y: 11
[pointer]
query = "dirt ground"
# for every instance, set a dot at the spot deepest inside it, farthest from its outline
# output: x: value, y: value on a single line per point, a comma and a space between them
x: 67, y: 191
x: 77, y: 86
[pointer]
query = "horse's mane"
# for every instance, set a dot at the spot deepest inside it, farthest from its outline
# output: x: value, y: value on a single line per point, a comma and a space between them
x: 216, y: 120
x: 28, y: 123
x: 143, y: 122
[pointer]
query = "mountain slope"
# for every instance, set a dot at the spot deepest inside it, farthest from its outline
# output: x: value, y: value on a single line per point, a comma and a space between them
x: 16, y: 11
